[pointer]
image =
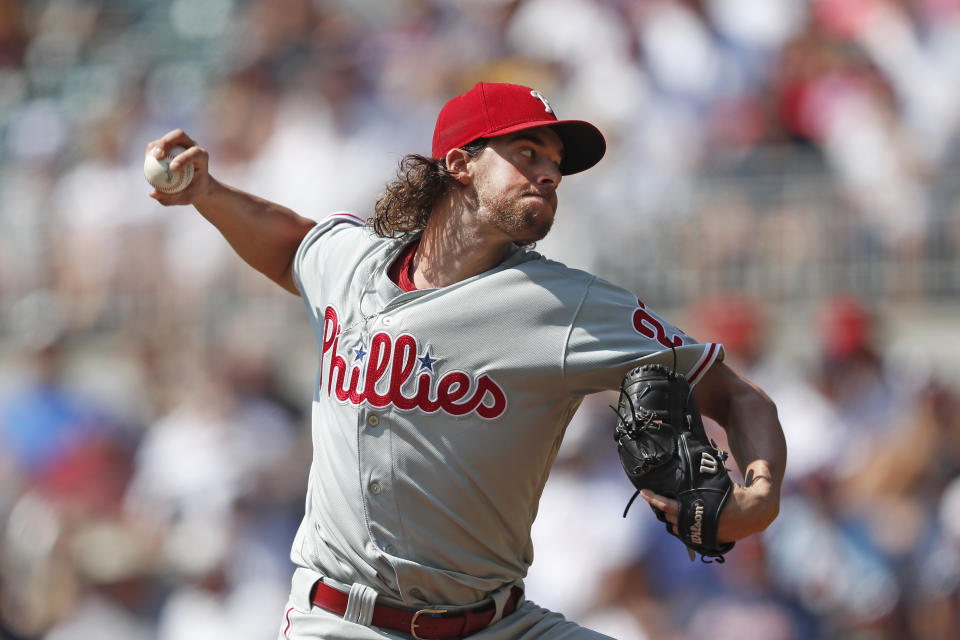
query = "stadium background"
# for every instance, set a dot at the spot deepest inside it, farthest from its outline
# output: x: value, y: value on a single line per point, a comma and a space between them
x: 782, y: 176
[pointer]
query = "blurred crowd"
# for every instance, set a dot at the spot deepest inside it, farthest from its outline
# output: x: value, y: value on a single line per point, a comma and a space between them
x: 770, y: 163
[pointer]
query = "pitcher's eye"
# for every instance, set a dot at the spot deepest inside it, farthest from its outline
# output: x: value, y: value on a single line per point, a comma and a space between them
x: 527, y: 152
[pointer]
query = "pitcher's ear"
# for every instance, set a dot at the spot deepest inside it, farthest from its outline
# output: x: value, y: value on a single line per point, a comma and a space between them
x: 458, y: 165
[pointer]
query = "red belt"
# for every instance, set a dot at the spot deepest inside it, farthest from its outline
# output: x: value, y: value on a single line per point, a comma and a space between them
x: 425, y: 623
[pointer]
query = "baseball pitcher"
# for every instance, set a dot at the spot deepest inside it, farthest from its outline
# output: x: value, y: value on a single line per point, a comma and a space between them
x: 450, y: 359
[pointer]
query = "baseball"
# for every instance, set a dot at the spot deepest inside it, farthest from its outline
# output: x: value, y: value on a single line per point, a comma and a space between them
x: 157, y: 172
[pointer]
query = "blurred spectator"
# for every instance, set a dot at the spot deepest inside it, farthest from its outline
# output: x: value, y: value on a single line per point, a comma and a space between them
x: 115, y: 586
x: 809, y: 420
x: 43, y: 422
x: 852, y: 375
x: 214, y: 477
x: 747, y: 605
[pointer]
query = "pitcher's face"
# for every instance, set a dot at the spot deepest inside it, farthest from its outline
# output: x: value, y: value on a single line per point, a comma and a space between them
x: 515, y: 181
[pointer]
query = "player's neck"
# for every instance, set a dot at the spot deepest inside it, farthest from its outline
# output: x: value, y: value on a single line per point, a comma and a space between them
x: 451, y: 249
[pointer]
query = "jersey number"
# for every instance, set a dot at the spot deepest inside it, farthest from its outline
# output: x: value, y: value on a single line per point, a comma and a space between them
x: 649, y: 326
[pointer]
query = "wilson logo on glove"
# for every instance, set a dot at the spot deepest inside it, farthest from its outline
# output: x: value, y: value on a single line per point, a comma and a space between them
x: 708, y: 464
x: 696, y: 531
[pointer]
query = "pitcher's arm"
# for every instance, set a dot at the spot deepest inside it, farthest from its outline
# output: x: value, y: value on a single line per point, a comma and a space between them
x: 265, y: 234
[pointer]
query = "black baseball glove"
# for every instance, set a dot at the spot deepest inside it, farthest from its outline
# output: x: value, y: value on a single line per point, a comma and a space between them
x: 663, y: 447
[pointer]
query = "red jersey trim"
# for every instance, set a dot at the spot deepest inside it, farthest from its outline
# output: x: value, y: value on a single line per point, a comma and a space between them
x: 401, y: 269
x: 700, y: 369
x: 344, y: 216
x: 289, y: 624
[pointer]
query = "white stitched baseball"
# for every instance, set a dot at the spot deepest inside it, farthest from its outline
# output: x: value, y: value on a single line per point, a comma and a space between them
x: 157, y: 172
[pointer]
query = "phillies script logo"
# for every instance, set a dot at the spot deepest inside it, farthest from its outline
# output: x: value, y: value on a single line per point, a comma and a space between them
x: 389, y: 364
x: 648, y: 326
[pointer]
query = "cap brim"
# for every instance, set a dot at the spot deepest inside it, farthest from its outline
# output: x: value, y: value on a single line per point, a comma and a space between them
x: 583, y: 144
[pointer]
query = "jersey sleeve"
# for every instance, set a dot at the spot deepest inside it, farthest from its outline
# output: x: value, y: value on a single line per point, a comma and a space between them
x: 613, y: 331
x: 309, y: 258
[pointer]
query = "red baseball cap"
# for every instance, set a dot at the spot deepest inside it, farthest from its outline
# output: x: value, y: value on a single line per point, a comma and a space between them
x: 494, y: 109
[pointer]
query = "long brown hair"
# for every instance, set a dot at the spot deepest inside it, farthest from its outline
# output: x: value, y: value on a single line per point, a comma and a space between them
x: 404, y: 207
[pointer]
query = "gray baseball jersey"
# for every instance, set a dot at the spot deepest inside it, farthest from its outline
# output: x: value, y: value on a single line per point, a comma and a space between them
x: 437, y: 413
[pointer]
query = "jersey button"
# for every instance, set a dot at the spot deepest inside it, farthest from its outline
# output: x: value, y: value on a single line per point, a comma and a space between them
x: 375, y: 488
x: 387, y: 321
x: 373, y: 420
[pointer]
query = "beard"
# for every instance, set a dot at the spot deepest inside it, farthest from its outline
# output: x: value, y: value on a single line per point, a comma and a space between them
x: 525, y: 217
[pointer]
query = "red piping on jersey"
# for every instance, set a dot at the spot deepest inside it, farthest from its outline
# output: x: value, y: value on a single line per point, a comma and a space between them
x: 696, y: 374
x: 288, y: 621
x: 347, y: 217
x: 401, y: 271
